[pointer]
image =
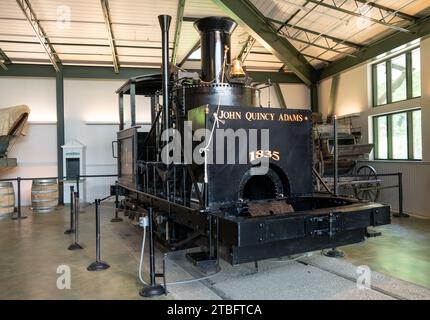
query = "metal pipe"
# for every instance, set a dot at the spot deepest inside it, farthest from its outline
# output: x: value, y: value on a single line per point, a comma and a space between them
x: 76, y: 217
x: 98, y: 265
x: 121, y: 111
x: 19, y: 216
x: 400, y: 214
x: 76, y: 245
x: 97, y: 202
x: 133, y: 103
x: 72, y: 218
x: 116, y: 218
x: 18, y: 180
x: 151, y: 247
x: 164, y: 21
x: 335, y: 157
x: 215, y: 35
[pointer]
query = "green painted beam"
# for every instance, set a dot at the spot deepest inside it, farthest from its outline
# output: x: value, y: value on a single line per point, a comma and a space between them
x: 87, y: 72
x: 108, y: 22
x: 179, y: 20
x: 60, y: 130
x: 418, y: 30
x: 279, y: 96
x: 39, y: 70
x: 314, y: 98
x: 189, y: 53
x: 275, y: 77
x: 257, y: 26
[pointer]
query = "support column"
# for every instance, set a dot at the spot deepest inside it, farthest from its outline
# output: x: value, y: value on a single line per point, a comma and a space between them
x: 314, y: 97
x: 279, y: 96
x: 60, y: 132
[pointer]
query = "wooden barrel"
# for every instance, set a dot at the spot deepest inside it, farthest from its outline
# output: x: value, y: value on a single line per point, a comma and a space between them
x: 44, y: 195
x: 7, y: 200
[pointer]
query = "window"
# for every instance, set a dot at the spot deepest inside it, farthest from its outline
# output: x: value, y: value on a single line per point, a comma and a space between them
x: 397, y: 79
x: 397, y: 136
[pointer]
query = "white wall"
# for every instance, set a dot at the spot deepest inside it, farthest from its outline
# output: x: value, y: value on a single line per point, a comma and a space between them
x: 37, y: 152
x: 354, y: 96
x: 86, y: 103
x: 91, y: 116
x: 296, y: 96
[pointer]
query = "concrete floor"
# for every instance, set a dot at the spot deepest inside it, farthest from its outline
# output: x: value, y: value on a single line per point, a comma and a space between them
x: 31, y: 250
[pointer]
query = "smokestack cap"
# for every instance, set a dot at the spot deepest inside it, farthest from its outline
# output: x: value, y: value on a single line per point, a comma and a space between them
x: 223, y: 24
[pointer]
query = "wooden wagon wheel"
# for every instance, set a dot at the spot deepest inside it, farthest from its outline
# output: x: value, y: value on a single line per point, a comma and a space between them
x: 370, y: 190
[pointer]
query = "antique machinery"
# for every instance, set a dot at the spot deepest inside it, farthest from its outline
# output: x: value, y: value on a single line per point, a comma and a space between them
x: 225, y: 207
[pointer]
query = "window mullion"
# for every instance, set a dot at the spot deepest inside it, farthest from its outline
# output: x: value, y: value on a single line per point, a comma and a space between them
x: 390, y: 137
x: 375, y: 138
x: 389, y: 76
x: 375, y: 85
x: 409, y: 89
x: 409, y: 126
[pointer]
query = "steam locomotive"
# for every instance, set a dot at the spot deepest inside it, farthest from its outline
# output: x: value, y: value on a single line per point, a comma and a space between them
x: 229, y: 210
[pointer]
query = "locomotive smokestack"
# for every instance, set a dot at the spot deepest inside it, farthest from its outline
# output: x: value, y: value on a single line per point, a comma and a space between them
x: 215, y: 35
x: 164, y: 21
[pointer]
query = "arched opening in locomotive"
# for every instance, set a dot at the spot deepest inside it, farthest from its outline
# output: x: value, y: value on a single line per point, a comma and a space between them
x: 272, y: 185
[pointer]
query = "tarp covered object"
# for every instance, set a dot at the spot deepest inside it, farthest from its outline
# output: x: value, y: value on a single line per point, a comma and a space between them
x: 13, y: 123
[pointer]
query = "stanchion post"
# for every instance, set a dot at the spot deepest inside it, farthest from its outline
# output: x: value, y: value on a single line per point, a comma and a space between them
x: 116, y: 218
x: 76, y: 245
x: 401, y: 214
x: 98, y: 265
x: 77, y: 184
x: 72, y: 218
x: 19, y: 214
x: 153, y: 289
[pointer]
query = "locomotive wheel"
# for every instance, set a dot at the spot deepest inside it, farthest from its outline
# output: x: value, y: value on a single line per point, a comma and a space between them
x: 367, y: 191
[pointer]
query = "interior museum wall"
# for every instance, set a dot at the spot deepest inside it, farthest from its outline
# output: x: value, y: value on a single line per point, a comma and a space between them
x: 354, y: 97
x: 91, y: 117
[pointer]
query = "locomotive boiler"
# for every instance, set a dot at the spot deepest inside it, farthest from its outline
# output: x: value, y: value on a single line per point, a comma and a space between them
x: 259, y: 206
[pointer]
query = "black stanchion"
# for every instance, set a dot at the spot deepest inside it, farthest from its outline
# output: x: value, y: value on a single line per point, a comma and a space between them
x: 116, y: 218
x: 153, y: 289
x: 19, y: 215
x: 72, y: 218
x: 76, y: 245
x: 400, y: 214
x: 98, y: 265
x: 77, y: 185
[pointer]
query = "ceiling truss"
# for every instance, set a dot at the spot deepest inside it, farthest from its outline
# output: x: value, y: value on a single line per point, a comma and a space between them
x: 31, y: 17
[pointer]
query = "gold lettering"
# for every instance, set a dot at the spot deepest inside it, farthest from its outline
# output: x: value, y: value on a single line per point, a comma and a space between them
x: 230, y: 115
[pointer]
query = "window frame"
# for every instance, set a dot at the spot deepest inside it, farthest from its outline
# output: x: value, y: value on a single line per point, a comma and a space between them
x: 389, y: 93
x: 389, y: 124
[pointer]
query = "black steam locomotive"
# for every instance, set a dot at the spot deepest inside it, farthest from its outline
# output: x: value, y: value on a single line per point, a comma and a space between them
x: 231, y: 210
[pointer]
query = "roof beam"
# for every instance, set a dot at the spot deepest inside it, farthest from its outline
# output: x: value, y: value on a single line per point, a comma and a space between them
x: 185, y: 58
x: 391, y: 11
x: 4, y: 59
x: 108, y: 23
x: 358, y: 14
x: 314, y: 44
x: 305, y: 30
x: 418, y: 30
x: 279, y: 96
x: 97, y: 72
x: 255, y: 24
x: 246, y: 49
x: 179, y: 20
x: 31, y: 17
